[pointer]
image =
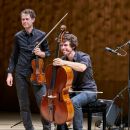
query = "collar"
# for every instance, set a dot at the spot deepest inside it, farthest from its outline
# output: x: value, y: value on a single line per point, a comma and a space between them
x: 29, y: 34
x: 75, y: 56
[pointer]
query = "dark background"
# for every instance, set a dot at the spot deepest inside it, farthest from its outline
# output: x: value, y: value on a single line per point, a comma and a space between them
x: 96, y: 23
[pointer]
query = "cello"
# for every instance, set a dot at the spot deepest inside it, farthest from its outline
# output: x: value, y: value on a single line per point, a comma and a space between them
x: 56, y: 105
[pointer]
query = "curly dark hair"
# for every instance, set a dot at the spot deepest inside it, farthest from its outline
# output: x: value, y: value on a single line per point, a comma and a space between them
x: 72, y: 39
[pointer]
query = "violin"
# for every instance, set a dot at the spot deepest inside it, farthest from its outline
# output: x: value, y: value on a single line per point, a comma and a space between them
x: 56, y: 105
x: 38, y: 76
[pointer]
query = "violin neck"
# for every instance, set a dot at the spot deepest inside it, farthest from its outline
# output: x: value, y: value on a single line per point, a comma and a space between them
x: 37, y: 62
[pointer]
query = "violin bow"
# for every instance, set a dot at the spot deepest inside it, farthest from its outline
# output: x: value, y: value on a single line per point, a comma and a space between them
x: 71, y: 91
x: 51, y: 31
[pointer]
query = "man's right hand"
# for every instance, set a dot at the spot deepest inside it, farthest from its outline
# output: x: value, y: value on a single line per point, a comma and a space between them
x: 9, y: 79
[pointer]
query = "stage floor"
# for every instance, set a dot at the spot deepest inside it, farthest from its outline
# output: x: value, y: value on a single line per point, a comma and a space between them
x: 8, y: 119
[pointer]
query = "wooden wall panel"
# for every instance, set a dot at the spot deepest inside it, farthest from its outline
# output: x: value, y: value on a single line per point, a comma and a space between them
x: 97, y: 24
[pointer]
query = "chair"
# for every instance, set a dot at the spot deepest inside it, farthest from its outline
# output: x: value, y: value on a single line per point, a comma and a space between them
x: 95, y: 107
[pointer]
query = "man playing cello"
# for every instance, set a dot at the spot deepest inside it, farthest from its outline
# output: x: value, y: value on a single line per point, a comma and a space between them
x: 83, y: 81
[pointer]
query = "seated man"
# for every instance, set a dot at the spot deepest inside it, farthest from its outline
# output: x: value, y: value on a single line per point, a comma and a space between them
x: 83, y: 82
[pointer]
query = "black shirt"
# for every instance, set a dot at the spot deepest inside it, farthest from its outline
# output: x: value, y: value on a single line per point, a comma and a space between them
x: 22, y: 51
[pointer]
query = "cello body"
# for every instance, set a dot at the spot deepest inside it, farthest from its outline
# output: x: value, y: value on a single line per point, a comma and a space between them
x: 56, y: 106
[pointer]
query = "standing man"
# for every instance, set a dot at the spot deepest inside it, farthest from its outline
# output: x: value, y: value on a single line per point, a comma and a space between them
x: 83, y: 78
x: 20, y: 60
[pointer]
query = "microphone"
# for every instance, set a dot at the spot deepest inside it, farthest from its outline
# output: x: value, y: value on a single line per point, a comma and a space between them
x: 112, y: 51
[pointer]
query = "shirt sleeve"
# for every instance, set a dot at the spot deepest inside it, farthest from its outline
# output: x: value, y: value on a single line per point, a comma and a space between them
x: 13, y: 58
x: 45, y: 47
x: 85, y: 59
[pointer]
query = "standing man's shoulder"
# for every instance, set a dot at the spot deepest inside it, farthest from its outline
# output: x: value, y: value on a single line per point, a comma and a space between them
x: 40, y: 32
x: 19, y: 33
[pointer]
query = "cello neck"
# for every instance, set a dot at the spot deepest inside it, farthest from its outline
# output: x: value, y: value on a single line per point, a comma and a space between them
x: 54, y: 69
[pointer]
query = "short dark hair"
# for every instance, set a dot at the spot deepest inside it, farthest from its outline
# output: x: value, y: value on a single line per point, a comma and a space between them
x: 30, y: 12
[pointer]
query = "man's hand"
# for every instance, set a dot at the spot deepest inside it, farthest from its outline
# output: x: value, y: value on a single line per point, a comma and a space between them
x: 74, y: 65
x: 58, y: 62
x: 9, y: 79
x: 38, y: 52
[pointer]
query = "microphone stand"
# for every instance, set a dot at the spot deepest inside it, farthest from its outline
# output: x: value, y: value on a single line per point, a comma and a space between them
x: 119, y: 96
x: 119, y: 47
x: 16, y: 124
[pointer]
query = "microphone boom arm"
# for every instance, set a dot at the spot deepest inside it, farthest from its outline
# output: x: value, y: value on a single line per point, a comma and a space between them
x: 118, y: 48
